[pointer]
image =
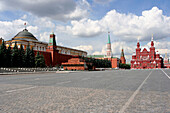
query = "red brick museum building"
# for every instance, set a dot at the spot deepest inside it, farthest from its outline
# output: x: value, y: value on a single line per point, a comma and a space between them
x: 146, y: 59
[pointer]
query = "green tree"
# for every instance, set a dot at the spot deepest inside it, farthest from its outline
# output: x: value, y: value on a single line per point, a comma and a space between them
x: 39, y: 60
x: 15, y: 56
x: 21, y: 56
x: 27, y: 57
x: 32, y: 58
x: 9, y: 57
x: 3, y: 55
x: 124, y: 66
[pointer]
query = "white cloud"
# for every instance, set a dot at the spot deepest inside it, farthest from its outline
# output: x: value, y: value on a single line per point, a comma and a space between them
x: 117, y: 47
x: 102, y: 1
x: 8, y: 29
x: 80, y: 12
x: 45, y: 23
x: 125, y: 26
x: 88, y: 48
x: 61, y: 10
x: 162, y: 47
x: 24, y: 16
x: 85, y: 28
x: 44, y: 37
x: 77, y: 14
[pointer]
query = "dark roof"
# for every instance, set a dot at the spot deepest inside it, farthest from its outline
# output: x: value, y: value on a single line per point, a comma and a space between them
x: 25, y: 34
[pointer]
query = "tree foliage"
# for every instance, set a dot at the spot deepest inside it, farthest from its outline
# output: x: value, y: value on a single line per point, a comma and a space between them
x: 98, y: 63
x: 3, y: 55
x: 124, y: 66
x: 21, y: 56
x: 32, y: 58
x: 18, y: 57
x: 39, y: 60
x: 9, y: 57
x: 15, y: 56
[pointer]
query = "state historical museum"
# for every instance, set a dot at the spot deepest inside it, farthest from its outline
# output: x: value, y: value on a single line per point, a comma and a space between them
x: 146, y: 59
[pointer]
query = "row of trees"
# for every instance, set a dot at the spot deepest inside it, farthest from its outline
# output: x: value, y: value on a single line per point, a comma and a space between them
x: 124, y: 66
x: 98, y: 63
x: 18, y: 57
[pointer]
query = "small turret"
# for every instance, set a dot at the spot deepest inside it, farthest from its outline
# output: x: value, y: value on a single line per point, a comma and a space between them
x: 52, y: 41
x: 152, y: 43
x: 138, y: 44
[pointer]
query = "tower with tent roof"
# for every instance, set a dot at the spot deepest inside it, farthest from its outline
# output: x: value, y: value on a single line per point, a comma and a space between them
x: 122, y: 57
x: 109, y: 50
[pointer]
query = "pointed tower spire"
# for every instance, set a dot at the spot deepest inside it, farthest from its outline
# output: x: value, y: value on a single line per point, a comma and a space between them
x: 152, y: 38
x: 109, y: 51
x: 122, y: 53
x: 152, y: 43
x: 138, y: 44
x: 108, y: 38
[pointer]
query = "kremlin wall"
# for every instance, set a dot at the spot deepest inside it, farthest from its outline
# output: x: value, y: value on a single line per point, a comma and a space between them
x: 55, y: 55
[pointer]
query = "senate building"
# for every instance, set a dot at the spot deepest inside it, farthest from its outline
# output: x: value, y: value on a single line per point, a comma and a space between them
x: 146, y: 59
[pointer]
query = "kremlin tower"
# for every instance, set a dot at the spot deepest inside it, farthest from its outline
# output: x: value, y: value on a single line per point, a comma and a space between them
x: 109, y: 51
x: 122, y: 57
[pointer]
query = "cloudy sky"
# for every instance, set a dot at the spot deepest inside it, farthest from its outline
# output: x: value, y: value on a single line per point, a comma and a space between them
x: 84, y: 24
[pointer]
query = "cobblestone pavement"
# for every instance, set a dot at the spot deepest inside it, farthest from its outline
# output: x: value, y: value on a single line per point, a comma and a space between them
x: 135, y: 91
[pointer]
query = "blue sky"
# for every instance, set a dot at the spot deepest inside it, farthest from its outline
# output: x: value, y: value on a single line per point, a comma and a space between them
x: 83, y: 24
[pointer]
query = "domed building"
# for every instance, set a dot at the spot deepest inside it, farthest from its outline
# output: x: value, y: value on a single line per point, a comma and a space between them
x: 54, y: 55
x: 26, y: 38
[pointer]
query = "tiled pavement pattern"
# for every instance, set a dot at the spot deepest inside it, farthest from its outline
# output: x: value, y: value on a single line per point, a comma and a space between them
x: 85, y: 92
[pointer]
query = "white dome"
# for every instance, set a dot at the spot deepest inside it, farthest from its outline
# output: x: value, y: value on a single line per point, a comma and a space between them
x: 134, y: 54
x: 157, y: 52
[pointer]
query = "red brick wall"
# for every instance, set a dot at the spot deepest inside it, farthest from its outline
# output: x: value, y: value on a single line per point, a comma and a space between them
x: 122, y: 60
x: 60, y: 58
x: 47, y: 57
x: 114, y: 63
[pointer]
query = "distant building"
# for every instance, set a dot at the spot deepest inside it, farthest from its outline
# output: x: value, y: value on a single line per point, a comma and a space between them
x: 146, y: 59
x: 108, y: 56
x: 122, y: 57
x: 26, y: 38
x: 166, y: 61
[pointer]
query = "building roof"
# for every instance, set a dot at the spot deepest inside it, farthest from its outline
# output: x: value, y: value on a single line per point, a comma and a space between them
x: 108, y: 39
x: 122, y: 53
x: 24, y: 35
